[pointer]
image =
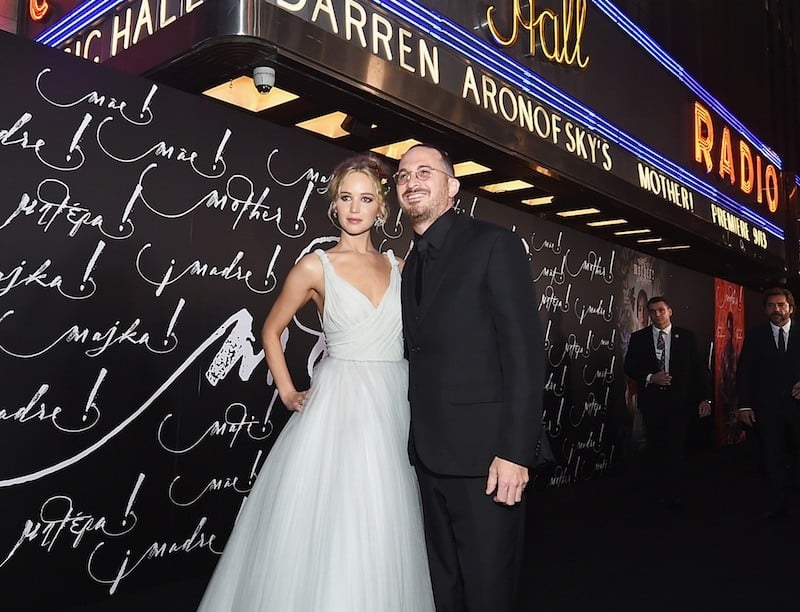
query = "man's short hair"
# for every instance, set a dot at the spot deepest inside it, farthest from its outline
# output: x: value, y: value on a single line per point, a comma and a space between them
x: 448, y: 163
x: 782, y: 291
x: 658, y: 298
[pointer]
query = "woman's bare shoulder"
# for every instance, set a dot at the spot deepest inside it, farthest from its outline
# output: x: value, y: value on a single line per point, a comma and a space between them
x: 309, y: 266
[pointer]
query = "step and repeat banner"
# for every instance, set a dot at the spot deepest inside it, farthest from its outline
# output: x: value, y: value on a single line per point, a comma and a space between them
x: 145, y: 234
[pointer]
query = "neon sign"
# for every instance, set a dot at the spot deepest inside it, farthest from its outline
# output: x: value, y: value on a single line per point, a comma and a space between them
x: 754, y: 173
x: 551, y: 32
x: 38, y: 9
x: 480, y: 51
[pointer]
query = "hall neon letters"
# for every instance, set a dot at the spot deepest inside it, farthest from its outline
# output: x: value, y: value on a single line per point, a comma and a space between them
x: 548, y: 30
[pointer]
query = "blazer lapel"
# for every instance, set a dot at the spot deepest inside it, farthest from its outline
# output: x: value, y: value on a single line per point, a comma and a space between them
x: 407, y: 295
x: 769, y: 341
x: 792, y: 339
x: 651, y: 347
x: 455, y: 243
x: 675, y: 344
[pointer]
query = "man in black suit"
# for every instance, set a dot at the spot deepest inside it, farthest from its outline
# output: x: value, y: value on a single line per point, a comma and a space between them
x: 767, y: 377
x: 663, y: 360
x: 476, y: 379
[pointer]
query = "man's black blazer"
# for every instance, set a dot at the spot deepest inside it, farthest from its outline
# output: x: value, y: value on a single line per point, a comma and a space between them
x: 475, y: 352
x: 764, y: 375
x: 688, y: 384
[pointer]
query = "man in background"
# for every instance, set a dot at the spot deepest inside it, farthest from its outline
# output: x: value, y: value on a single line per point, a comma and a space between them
x: 767, y: 376
x: 663, y: 360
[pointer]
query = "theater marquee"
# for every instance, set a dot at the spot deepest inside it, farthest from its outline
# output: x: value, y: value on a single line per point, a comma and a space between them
x: 444, y: 67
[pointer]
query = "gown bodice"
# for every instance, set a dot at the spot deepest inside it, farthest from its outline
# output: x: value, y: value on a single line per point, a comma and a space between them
x: 355, y: 329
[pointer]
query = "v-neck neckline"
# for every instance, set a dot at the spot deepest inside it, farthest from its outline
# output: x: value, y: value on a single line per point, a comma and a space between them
x: 361, y: 293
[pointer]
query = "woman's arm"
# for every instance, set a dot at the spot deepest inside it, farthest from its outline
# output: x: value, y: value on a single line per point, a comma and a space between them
x: 303, y: 283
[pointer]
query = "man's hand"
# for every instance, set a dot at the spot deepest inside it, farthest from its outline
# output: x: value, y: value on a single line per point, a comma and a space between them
x: 662, y: 379
x: 746, y: 416
x: 704, y: 409
x: 507, y: 481
x: 796, y: 390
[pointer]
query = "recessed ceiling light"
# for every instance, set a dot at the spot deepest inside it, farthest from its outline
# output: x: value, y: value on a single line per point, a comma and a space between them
x: 540, y: 201
x: 543, y: 170
x: 632, y: 232
x: 647, y: 240
x: 395, y: 150
x: 469, y: 168
x: 677, y: 247
x: 242, y: 92
x: 329, y: 125
x: 606, y: 222
x: 578, y: 212
x: 514, y: 185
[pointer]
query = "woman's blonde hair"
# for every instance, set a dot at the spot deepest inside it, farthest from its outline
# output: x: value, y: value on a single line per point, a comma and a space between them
x: 374, y: 169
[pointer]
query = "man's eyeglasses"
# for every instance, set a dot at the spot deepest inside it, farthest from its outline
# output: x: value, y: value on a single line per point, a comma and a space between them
x: 423, y: 173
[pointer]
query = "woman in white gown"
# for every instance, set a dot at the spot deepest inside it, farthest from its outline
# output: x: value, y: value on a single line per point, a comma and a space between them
x: 334, y: 522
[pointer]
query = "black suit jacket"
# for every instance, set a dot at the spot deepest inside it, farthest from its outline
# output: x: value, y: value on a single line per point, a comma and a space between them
x: 688, y: 385
x: 764, y: 375
x: 475, y: 352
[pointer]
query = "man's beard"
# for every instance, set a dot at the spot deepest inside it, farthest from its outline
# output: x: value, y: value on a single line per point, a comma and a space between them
x: 417, y: 216
x: 418, y: 213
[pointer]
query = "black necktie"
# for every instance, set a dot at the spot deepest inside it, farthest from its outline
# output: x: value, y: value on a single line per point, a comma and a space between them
x: 781, y: 340
x: 421, y: 245
x: 662, y: 352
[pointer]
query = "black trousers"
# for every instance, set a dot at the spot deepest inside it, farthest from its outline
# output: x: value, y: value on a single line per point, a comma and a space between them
x: 474, y: 545
x: 666, y: 422
x: 779, y: 430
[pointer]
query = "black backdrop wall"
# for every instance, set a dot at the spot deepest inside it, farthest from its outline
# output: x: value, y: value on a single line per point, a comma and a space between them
x: 144, y: 234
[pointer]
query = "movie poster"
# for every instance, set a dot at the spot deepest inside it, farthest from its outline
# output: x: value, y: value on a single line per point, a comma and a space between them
x: 641, y: 278
x: 728, y: 338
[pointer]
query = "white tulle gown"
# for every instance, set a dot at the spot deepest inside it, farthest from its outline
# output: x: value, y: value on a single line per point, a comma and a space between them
x: 334, y: 522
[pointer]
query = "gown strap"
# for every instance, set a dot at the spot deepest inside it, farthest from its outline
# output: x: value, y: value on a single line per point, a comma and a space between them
x: 323, y: 256
x: 392, y: 259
